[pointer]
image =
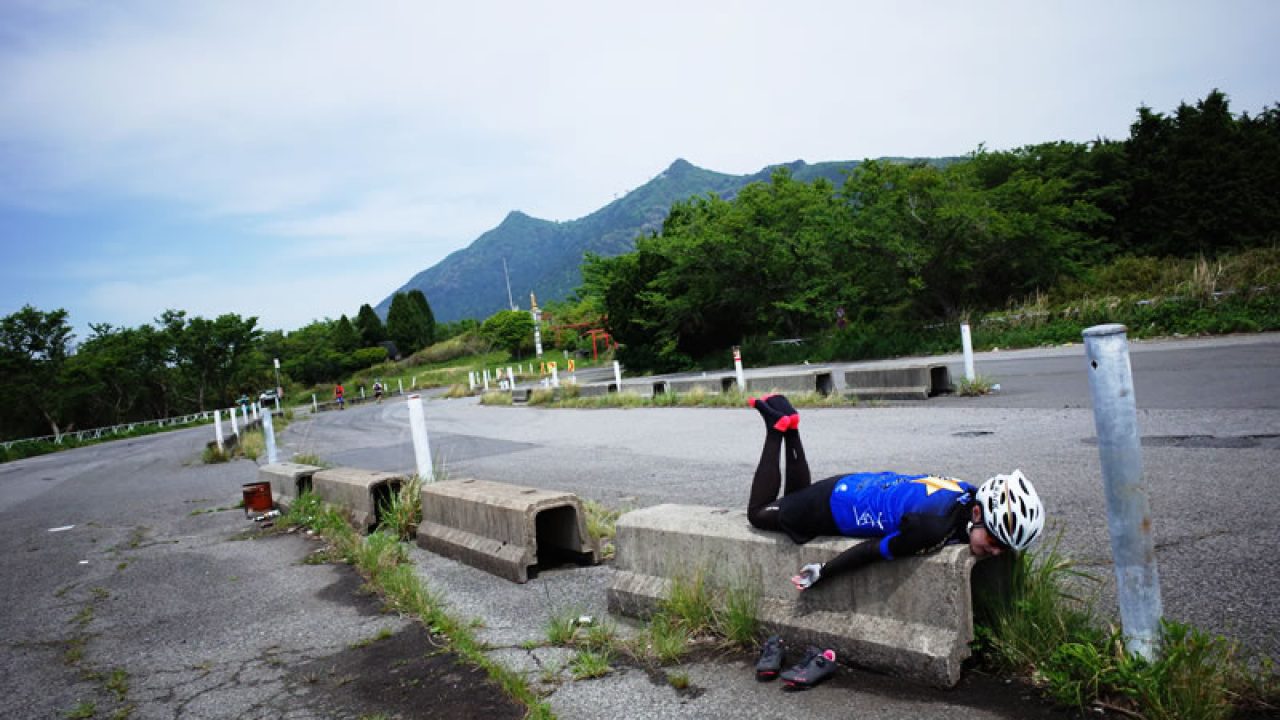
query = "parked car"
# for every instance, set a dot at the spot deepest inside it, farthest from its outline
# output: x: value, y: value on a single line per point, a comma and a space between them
x: 267, y: 397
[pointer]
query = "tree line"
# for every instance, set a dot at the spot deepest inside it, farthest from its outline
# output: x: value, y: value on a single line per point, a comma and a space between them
x: 180, y: 364
x: 902, y: 245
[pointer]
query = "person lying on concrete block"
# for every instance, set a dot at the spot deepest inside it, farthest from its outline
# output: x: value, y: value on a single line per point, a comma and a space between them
x: 911, y: 514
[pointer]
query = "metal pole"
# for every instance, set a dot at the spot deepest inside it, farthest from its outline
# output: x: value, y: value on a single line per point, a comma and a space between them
x: 967, y: 341
x: 269, y: 433
x: 1128, y: 511
x: 421, y: 445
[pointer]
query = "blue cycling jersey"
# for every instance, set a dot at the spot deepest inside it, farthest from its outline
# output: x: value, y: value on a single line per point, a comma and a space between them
x: 876, y: 505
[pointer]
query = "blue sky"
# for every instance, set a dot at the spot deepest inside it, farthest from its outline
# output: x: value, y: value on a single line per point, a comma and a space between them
x: 292, y: 160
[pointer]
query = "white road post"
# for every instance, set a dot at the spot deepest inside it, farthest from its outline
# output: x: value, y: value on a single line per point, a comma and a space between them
x: 254, y: 409
x: 362, y: 392
x: 421, y: 445
x: 269, y: 433
x: 231, y: 414
x: 315, y: 406
x: 737, y: 369
x: 617, y: 375
x: 245, y: 409
x: 400, y: 382
x: 1115, y: 415
x: 486, y: 379
x: 217, y: 429
x: 967, y: 342
x: 555, y: 375
x: 471, y: 379
x: 512, y: 377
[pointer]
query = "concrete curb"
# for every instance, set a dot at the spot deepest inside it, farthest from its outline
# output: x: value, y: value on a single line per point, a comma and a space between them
x: 360, y: 492
x: 507, y: 530
x: 912, y: 617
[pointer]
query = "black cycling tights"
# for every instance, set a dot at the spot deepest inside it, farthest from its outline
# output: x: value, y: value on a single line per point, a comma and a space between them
x: 762, y: 507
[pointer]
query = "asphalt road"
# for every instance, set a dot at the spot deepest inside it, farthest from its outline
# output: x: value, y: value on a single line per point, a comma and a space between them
x: 172, y: 601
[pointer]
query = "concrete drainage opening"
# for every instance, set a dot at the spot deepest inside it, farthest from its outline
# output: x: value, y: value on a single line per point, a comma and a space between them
x: 659, y: 388
x: 824, y: 384
x: 939, y: 380
x: 304, y: 485
x: 727, y: 384
x: 382, y: 494
x: 557, y: 538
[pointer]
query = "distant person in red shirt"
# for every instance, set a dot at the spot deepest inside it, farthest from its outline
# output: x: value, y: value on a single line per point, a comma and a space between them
x: 338, y: 393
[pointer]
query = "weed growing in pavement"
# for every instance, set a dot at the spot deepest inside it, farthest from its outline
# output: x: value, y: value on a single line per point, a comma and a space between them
x: 561, y: 627
x: 678, y: 680
x: 664, y: 639
x: 403, y: 511
x: 311, y: 459
x: 213, y: 454
x: 589, y: 664
x: 1042, y: 629
x: 542, y: 396
x: 84, y: 709
x: 601, y: 525
x: 382, y: 634
x: 118, y: 683
x: 979, y: 385
x: 738, y: 618
x: 457, y: 390
x: 495, y: 398
x: 690, y: 602
x: 252, y: 444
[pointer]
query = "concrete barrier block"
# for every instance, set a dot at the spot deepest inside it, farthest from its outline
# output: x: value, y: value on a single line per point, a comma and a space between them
x: 360, y: 492
x: 816, y: 380
x: 917, y: 382
x: 508, y: 530
x: 599, y: 390
x: 911, y: 617
x: 713, y: 384
x: 288, y: 481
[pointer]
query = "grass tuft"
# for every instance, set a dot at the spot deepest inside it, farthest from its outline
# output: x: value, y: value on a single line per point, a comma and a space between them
x: 402, y: 513
x: 979, y: 385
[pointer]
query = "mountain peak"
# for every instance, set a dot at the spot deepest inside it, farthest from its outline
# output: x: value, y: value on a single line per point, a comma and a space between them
x: 681, y: 165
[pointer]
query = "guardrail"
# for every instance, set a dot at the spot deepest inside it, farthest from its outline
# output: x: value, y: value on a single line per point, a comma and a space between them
x: 99, y: 432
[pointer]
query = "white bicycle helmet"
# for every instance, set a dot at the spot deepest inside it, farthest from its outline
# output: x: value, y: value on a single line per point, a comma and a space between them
x: 1011, y: 509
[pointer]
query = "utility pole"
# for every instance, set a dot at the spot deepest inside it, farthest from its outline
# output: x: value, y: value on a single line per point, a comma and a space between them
x: 537, y: 324
x: 507, y: 275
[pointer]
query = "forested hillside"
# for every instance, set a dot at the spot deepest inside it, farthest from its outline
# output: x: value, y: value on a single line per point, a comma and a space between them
x: 900, y: 246
x: 545, y: 257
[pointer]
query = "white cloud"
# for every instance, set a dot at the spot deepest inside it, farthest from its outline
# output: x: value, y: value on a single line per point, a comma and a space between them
x: 321, y: 128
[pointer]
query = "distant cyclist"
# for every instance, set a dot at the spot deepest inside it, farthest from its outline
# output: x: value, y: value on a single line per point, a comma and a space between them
x: 377, y: 390
x: 339, y: 395
x: 911, y: 514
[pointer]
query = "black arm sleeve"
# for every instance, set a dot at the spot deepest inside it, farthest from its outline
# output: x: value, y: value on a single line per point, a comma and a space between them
x: 919, y: 533
x: 855, y: 557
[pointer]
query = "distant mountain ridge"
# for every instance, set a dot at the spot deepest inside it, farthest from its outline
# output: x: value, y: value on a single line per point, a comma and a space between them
x: 545, y: 257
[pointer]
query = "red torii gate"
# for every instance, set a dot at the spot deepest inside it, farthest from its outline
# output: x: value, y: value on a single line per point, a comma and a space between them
x: 593, y: 329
